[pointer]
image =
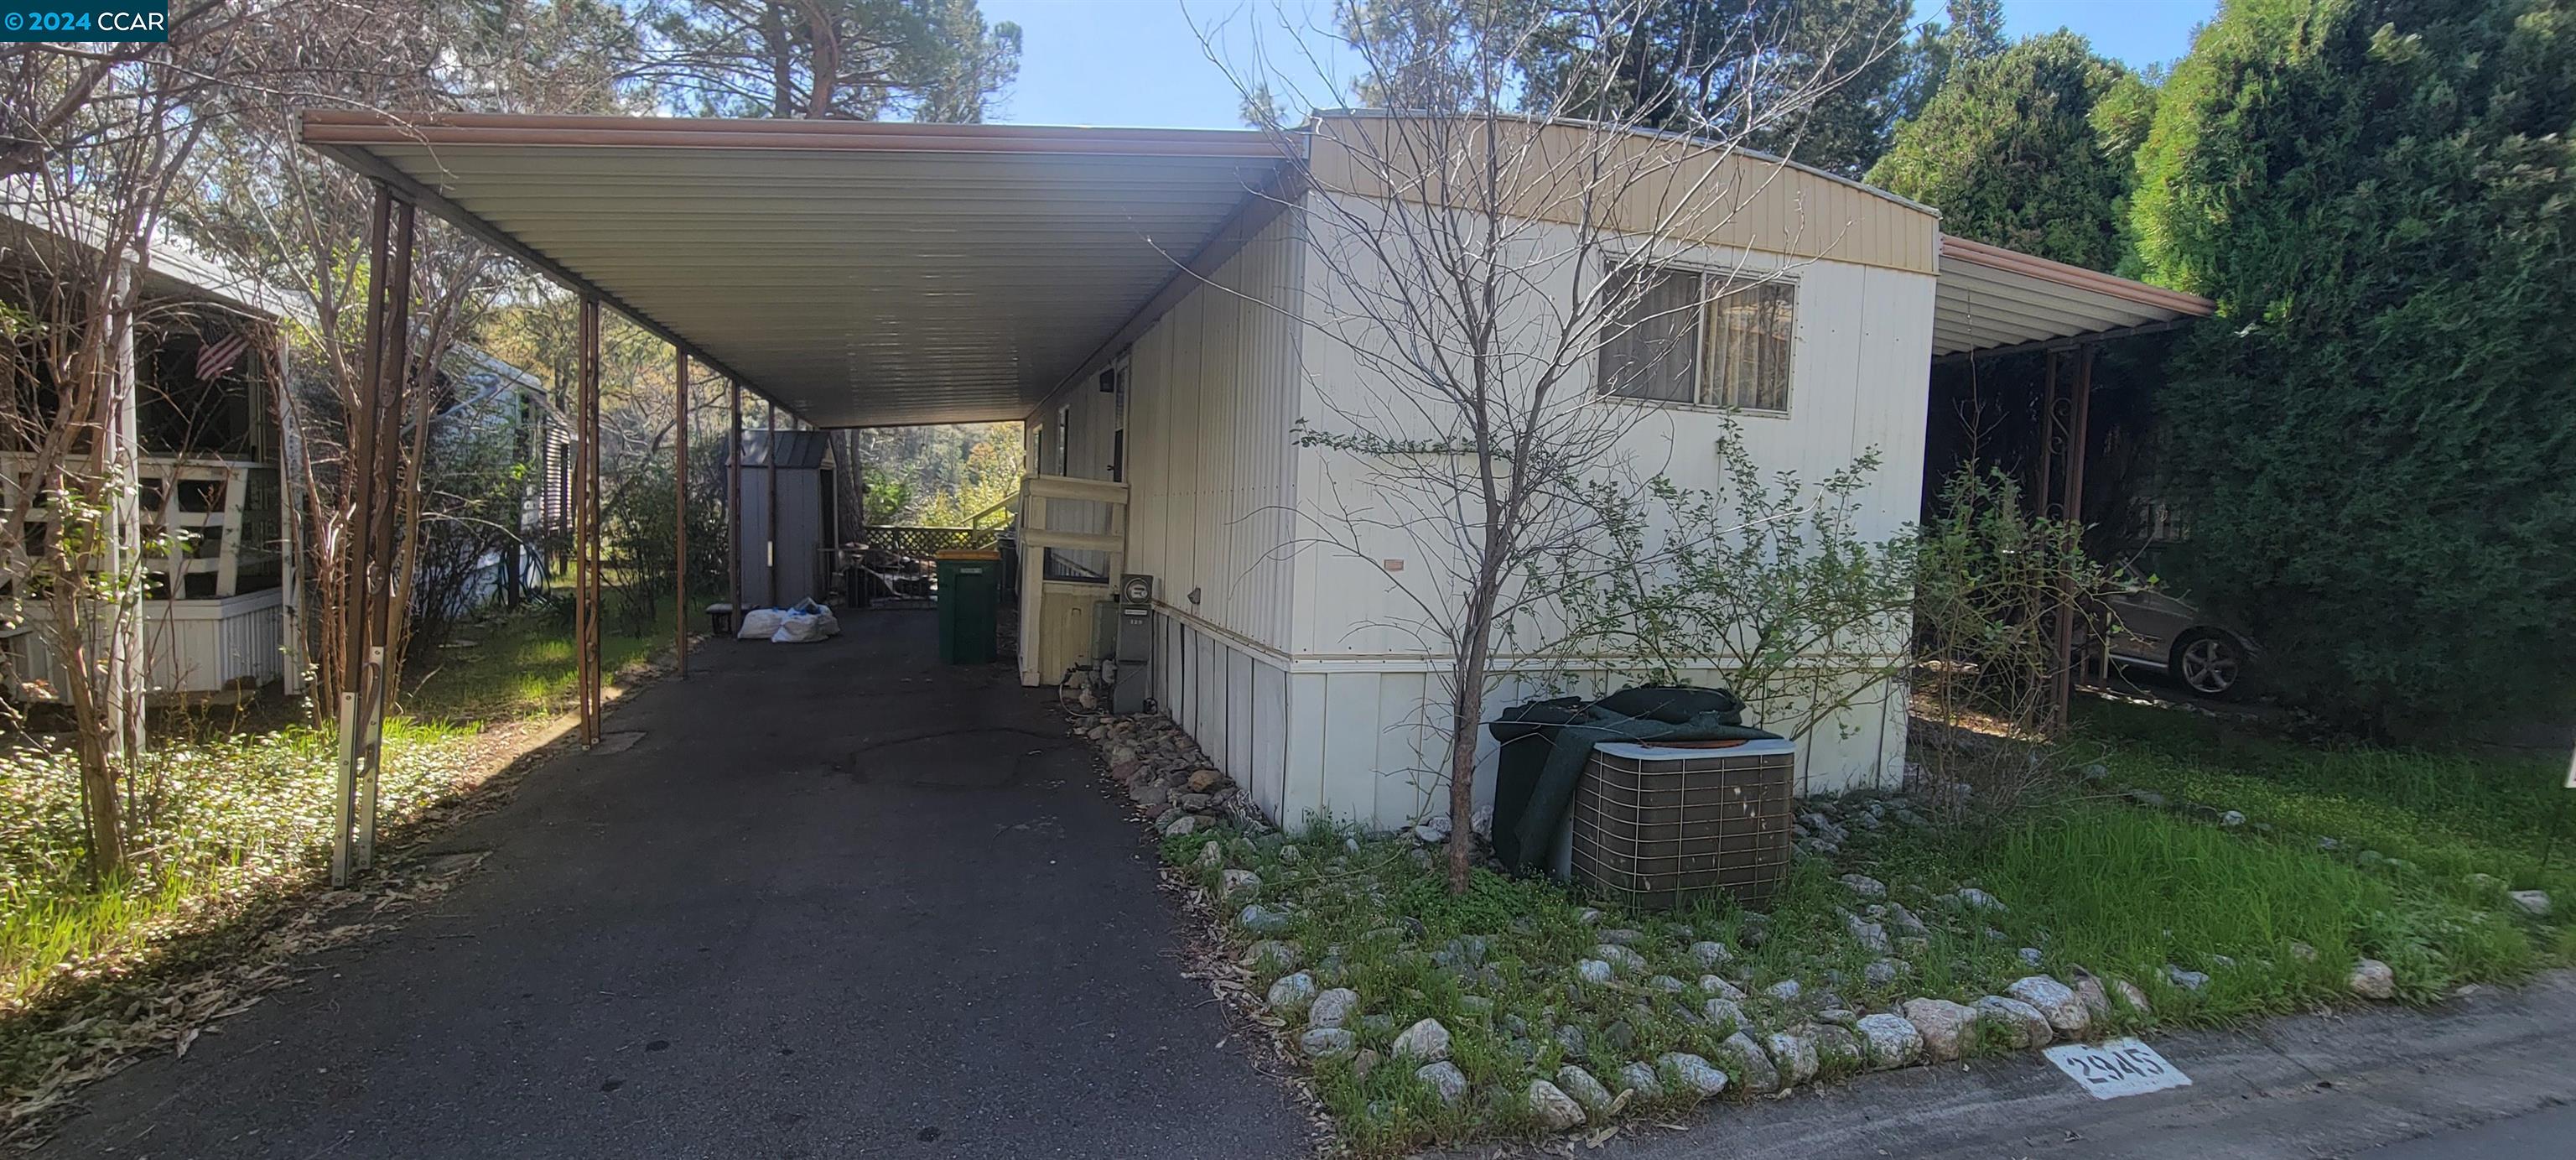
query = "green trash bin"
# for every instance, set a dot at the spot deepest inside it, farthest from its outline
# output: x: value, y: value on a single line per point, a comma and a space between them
x: 970, y: 597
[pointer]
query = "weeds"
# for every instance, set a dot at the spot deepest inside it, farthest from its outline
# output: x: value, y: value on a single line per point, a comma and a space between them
x: 233, y: 814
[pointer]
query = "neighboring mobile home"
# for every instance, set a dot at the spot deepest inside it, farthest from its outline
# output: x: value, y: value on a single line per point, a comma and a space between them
x: 1166, y: 311
x: 209, y: 361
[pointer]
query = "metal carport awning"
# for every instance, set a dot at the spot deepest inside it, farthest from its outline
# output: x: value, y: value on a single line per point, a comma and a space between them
x: 856, y: 273
x: 1992, y: 300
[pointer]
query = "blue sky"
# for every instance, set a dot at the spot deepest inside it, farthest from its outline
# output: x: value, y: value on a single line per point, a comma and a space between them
x: 1137, y: 62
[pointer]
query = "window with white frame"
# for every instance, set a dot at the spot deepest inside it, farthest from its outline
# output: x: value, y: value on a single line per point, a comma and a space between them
x: 1698, y: 338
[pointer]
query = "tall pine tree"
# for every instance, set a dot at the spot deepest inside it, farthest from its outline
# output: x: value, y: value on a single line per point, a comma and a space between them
x: 2029, y: 148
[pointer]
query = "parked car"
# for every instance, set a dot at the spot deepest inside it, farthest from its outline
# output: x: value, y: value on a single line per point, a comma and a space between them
x: 2155, y: 627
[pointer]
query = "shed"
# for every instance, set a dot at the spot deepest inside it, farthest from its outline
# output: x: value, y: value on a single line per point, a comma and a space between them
x: 787, y: 515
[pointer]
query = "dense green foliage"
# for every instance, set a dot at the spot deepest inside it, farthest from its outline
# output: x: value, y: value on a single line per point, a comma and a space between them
x: 1974, y: 31
x: 2028, y: 148
x: 2374, y: 439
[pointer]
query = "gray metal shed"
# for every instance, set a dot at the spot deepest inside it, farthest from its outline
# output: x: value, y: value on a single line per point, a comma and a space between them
x: 787, y: 517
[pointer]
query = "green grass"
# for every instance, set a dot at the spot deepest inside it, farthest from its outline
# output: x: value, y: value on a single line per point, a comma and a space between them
x: 2090, y: 881
x: 2124, y: 891
x: 2443, y: 816
x: 225, y: 816
x: 519, y: 665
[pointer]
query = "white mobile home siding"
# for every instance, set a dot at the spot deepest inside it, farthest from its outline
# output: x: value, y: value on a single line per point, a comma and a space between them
x: 1210, y: 414
x: 1366, y: 695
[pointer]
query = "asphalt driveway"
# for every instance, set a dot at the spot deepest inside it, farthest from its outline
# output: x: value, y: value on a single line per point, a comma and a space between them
x: 836, y: 900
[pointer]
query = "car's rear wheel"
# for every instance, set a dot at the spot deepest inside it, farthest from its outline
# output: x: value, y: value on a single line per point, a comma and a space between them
x: 2209, y: 664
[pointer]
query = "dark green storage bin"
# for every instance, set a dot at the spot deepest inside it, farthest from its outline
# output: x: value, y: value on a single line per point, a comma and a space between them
x: 970, y: 601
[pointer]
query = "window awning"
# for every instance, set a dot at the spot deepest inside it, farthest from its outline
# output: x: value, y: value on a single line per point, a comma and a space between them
x: 858, y: 273
x: 1993, y: 300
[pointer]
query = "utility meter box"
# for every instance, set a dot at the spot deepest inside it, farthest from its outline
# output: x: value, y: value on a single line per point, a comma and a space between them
x: 1131, y: 667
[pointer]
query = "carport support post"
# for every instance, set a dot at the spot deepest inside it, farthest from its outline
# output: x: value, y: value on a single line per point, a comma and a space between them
x: 769, y: 543
x: 393, y: 381
x: 733, y: 501
x: 358, y: 478
x: 680, y: 525
x: 2071, y: 500
x: 2048, y: 435
x: 586, y: 524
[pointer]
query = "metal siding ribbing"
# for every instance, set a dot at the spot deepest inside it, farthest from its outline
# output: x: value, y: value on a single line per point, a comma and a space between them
x: 1214, y: 389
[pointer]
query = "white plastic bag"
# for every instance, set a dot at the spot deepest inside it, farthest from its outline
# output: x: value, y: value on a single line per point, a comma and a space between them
x: 760, y: 624
x: 829, y: 624
x: 797, y: 628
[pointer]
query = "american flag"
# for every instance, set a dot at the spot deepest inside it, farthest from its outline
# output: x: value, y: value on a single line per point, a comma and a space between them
x: 214, y: 358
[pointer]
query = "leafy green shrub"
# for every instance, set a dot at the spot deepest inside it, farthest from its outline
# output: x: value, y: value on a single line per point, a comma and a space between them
x: 2372, y: 439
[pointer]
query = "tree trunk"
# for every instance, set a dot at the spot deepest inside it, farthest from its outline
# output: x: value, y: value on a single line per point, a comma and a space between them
x: 1466, y: 716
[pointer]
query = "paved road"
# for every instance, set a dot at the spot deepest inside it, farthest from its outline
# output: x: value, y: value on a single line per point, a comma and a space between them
x: 835, y: 901
x: 2483, y: 1079
x: 2543, y: 1135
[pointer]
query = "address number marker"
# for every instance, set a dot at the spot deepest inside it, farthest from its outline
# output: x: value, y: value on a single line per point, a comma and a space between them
x: 2115, y: 1068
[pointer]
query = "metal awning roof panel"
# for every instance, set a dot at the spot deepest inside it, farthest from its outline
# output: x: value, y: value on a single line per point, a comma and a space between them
x: 859, y: 273
x: 1992, y: 299
x: 878, y: 274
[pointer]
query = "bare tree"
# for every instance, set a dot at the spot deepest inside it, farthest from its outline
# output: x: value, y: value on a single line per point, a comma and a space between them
x: 298, y: 222
x: 1490, y: 289
x: 99, y: 138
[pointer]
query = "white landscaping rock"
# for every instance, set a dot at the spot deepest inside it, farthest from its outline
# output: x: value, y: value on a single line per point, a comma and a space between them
x: 2097, y: 1001
x: 1587, y: 1091
x: 1626, y: 961
x: 1445, y: 1080
x: 1713, y: 985
x: 1270, y: 954
x: 1426, y: 1041
x: 2055, y: 1000
x: 1836, y: 1046
x: 1724, y: 1014
x: 1943, y: 1024
x: 1786, y: 990
x: 1975, y: 899
x: 1793, y: 1054
x: 2025, y: 1026
x: 1327, y: 1041
x: 1261, y: 919
x: 1865, y: 886
x: 2533, y: 902
x: 1594, y: 971
x: 2130, y: 994
x: 1553, y: 1107
x: 1871, y: 936
x: 1691, y: 1073
x: 1332, y: 1008
x: 2371, y: 979
x: 1641, y: 1079
x: 1745, y: 1060
x: 1291, y: 994
x: 1890, y: 1040
x: 1709, y: 954
x: 1239, y: 884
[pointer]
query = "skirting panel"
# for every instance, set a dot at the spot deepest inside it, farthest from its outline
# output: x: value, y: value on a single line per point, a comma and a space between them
x: 1369, y: 745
